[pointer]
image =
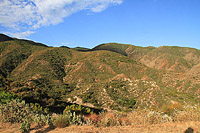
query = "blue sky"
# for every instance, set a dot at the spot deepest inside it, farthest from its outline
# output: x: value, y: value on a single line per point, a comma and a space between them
x: 87, y: 23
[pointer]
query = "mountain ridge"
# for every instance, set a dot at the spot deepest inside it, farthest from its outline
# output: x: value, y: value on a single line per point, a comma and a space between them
x: 110, y: 76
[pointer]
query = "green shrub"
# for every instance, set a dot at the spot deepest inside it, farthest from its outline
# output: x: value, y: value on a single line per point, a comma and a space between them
x: 69, y: 118
x: 38, y: 109
x: 74, y: 119
x: 15, y: 111
x: 61, y: 121
x: 7, y: 97
x: 78, y: 109
x: 25, y: 126
x: 118, y: 91
x: 42, y: 120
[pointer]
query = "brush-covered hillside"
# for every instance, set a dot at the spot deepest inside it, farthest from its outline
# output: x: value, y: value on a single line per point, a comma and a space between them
x: 171, y: 58
x: 110, y: 76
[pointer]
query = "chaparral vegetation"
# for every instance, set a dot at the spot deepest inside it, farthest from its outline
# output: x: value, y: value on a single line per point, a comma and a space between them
x: 45, y: 88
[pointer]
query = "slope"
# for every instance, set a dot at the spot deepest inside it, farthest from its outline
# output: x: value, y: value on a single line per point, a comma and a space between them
x: 111, y: 76
x: 165, y: 57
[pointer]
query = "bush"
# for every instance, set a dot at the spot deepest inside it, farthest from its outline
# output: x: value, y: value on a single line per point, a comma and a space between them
x: 42, y: 120
x: 25, y: 126
x: 92, y: 119
x: 38, y: 109
x: 171, y: 108
x: 7, y: 97
x: 74, y: 119
x: 190, y: 113
x: 78, y: 109
x: 61, y: 121
x: 118, y: 91
x: 69, y: 118
x: 15, y: 111
x: 113, y: 119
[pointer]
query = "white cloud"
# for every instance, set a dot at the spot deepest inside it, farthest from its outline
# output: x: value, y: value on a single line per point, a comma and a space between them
x: 25, y: 16
x: 21, y: 34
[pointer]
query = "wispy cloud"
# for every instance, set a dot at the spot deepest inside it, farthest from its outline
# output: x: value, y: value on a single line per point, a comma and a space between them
x: 21, y: 34
x: 23, y: 17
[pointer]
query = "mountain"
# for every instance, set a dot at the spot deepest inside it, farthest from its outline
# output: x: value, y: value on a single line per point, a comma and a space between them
x: 165, y: 57
x: 5, y: 38
x: 110, y: 76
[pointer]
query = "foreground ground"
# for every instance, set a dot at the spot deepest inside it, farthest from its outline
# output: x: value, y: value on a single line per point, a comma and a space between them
x: 177, y: 127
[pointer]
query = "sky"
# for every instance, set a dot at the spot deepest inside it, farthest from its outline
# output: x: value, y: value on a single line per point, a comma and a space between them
x: 87, y: 23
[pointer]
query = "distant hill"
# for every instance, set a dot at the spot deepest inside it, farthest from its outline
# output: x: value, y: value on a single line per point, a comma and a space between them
x: 81, y: 49
x: 5, y: 38
x: 165, y: 57
x: 110, y: 76
x: 114, y: 47
x: 32, y: 42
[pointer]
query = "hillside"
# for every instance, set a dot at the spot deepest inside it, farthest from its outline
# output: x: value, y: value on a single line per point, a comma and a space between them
x: 5, y: 38
x: 165, y: 57
x: 110, y: 76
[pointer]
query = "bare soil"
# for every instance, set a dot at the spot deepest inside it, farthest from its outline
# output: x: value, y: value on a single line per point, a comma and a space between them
x: 178, y: 127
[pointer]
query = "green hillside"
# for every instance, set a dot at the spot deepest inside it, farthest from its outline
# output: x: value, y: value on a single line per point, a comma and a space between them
x: 166, y: 57
x: 110, y: 76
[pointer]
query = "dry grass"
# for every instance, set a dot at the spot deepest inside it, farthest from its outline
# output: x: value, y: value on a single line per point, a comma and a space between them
x: 136, y: 121
x: 61, y: 121
x: 93, y: 117
x: 169, y: 127
x: 171, y: 114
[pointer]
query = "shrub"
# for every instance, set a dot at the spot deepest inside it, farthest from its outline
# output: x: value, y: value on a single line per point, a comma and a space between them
x: 78, y: 109
x: 61, y: 121
x: 15, y: 111
x: 92, y: 119
x: 190, y: 113
x: 69, y: 118
x: 25, y: 126
x: 171, y: 108
x: 42, y: 120
x: 118, y: 91
x: 109, y: 119
x: 124, y: 121
x: 145, y: 116
x: 7, y: 97
x: 153, y: 117
x: 38, y: 109
x: 74, y: 119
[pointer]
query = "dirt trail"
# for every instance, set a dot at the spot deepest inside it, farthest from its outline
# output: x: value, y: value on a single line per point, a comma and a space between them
x: 157, y: 128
